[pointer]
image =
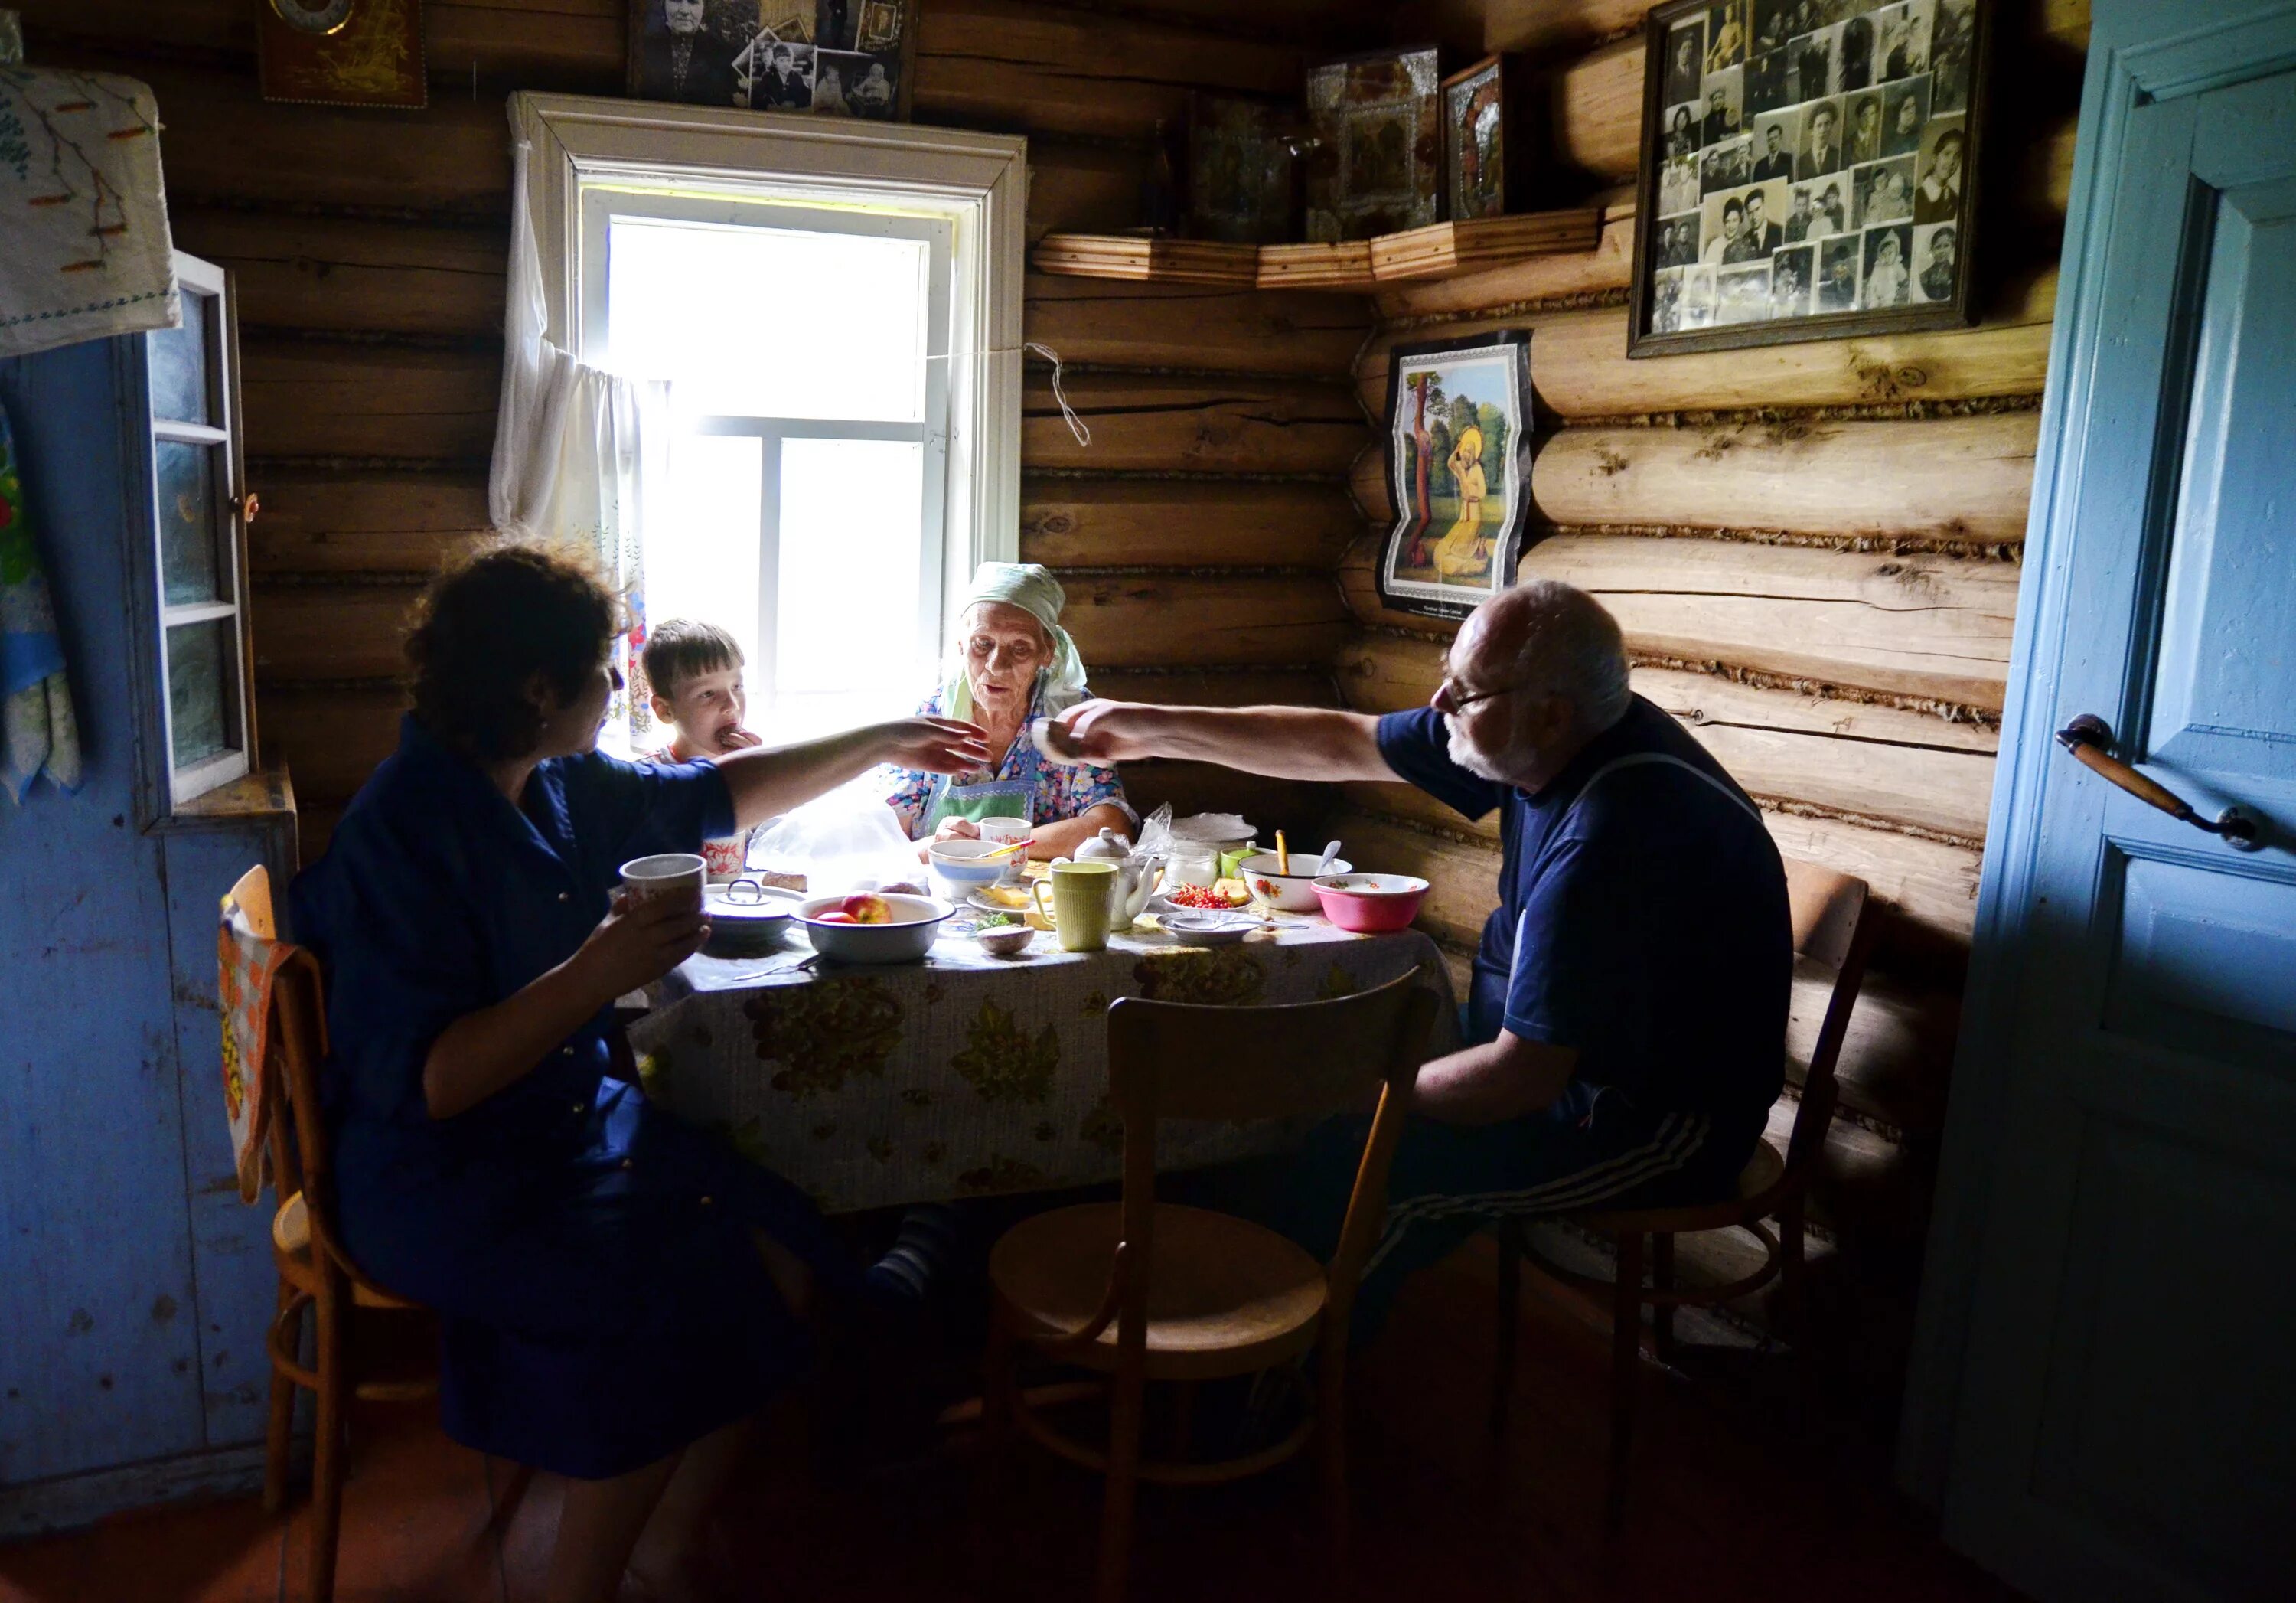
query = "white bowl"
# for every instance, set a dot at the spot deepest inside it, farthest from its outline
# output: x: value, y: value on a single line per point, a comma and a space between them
x: 916, y: 921
x: 957, y: 865
x: 1292, y: 893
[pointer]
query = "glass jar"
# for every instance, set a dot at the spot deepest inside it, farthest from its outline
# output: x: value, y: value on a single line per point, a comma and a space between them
x: 1191, y: 864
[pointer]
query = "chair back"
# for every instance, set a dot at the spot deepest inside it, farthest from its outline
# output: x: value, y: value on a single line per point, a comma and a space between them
x: 1833, y: 926
x: 1178, y: 1060
x: 295, y: 1045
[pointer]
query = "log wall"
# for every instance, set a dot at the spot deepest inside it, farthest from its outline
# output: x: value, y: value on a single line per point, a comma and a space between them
x: 1813, y: 551
x: 1197, y: 535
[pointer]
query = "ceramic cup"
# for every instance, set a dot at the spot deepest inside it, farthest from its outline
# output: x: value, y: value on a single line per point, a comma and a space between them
x: 1084, y: 902
x: 665, y: 874
x: 1004, y: 831
x: 727, y: 858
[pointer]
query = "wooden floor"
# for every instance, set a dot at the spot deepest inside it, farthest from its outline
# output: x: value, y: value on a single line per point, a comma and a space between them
x: 1732, y: 1501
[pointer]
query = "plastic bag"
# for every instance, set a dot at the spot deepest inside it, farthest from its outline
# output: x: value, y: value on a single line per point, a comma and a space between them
x: 845, y: 840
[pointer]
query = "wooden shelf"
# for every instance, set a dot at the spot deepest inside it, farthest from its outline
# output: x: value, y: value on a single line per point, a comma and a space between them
x: 1438, y: 251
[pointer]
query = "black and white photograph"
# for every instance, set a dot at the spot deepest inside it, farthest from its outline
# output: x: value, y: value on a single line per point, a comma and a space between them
x: 1685, y: 59
x: 1936, y: 256
x: 1937, y: 198
x: 684, y: 50
x: 1790, y: 282
x: 836, y: 74
x: 1888, y: 272
x: 1665, y: 310
x: 1905, y: 109
x: 1831, y: 164
x: 1726, y: 34
x: 1821, y: 149
x: 1724, y: 100
x: 1836, y: 273
x: 1884, y: 192
x: 1725, y: 166
x: 1678, y: 185
x: 779, y: 75
x: 1774, y: 138
x: 1742, y: 294
x: 1770, y: 82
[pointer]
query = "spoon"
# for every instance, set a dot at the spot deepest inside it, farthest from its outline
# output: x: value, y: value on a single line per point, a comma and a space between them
x: 1331, y: 855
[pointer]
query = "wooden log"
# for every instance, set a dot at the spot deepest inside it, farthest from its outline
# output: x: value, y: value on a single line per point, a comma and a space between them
x: 1175, y: 620
x: 1595, y: 113
x: 1579, y: 369
x: 322, y: 398
x: 1157, y: 423
x: 1957, y: 479
x: 1267, y: 804
x: 1897, y: 1059
x: 1870, y: 1191
x: 1028, y: 67
x: 1917, y: 626
x: 332, y: 632
x: 1606, y: 269
x: 1217, y: 688
x: 1887, y: 763
x: 1070, y: 522
x: 1086, y: 188
x: 1196, y: 329
x: 353, y: 275
x: 331, y: 738
x: 1935, y: 627
x: 1926, y: 891
x: 318, y: 520
x: 1556, y: 25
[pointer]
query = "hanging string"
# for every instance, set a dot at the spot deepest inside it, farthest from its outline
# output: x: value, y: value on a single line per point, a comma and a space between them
x: 1076, y: 425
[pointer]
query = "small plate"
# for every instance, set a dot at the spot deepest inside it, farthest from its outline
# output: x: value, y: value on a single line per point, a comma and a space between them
x: 1198, y: 926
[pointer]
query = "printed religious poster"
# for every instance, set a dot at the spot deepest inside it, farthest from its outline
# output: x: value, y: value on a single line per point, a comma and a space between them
x: 1809, y: 171
x: 1458, y: 468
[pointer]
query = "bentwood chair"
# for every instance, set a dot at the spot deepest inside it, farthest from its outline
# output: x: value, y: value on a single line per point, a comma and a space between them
x: 314, y: 1273
x: 1146, y: 1291
x: 1831, y: 933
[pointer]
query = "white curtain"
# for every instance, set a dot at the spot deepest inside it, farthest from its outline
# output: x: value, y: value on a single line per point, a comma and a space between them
x: 579, y: 453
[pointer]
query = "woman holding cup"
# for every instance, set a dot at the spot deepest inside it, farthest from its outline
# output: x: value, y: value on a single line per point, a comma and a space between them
x: 617, y: 1293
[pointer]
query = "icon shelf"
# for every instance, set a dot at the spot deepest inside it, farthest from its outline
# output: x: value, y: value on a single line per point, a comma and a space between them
x: 1439, y: 252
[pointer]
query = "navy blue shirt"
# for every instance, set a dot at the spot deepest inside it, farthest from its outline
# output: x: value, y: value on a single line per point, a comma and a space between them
x: 1642, y: 918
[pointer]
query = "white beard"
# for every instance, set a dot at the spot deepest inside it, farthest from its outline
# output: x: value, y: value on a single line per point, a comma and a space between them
x: 1472, y: 757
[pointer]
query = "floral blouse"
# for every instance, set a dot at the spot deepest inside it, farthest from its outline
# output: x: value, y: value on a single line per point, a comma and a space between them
x: 1056, y: 790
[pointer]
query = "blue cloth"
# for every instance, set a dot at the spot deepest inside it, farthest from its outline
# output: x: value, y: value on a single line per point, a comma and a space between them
x: 1643, y: 921
x: 602, y: 1302
x: 38, y: 733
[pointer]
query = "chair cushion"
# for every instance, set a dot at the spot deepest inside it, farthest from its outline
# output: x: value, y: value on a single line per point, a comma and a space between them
x: 291, y: 1245
x: 1225, y: 1296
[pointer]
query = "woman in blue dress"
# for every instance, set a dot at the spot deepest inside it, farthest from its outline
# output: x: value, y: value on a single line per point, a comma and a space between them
x: 617, y: 1293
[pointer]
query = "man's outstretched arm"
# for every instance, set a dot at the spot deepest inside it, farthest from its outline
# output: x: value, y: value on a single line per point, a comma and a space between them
x: 1286, y: 742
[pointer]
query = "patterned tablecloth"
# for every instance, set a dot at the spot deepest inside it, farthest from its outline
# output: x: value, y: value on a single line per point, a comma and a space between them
x: 967, y: 1074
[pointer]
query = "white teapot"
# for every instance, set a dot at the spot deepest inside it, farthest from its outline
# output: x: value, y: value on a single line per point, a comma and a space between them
x: 1137, y: 875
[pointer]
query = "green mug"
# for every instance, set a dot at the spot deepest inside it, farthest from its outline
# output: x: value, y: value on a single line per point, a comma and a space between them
x: 1084, y: 902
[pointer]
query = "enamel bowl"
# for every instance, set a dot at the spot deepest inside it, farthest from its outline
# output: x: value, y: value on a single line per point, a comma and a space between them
x: 916, y: 921
x: 1371, y: 904
x: 958, y: 867
x: 1292, y: 893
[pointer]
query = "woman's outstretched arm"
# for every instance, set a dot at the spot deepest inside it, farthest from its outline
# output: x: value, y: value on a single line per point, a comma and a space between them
x: 767, y: 782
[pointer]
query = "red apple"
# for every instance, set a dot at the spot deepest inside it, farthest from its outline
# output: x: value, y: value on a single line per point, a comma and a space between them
x: 864, y: 907
x: 835, y: 916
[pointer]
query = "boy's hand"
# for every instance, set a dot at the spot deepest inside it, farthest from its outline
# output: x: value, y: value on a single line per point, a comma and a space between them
x: 935, y: 745
x: 738, y: 739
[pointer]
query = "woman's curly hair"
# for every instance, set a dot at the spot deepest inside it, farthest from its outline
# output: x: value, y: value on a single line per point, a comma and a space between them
x: 495, y: 615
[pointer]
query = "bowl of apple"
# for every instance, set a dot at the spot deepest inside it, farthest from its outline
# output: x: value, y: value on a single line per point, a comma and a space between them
x: 872, y: 926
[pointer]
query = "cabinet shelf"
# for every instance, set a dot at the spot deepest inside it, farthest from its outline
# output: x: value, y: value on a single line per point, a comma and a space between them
x: 1438, y: 251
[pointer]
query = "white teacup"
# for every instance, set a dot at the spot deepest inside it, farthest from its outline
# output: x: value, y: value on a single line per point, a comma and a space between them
x: 665, y: 874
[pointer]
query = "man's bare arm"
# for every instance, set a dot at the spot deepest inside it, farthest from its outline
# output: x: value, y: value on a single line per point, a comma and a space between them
x: 1502, y: 1080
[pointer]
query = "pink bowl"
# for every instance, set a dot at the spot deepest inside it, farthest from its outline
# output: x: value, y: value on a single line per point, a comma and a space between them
x: 1371, y: 904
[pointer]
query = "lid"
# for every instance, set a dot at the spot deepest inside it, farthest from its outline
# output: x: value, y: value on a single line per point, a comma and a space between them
x: 746, y: 902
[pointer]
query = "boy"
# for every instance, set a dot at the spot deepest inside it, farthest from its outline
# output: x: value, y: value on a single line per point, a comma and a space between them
x: 693, y: 671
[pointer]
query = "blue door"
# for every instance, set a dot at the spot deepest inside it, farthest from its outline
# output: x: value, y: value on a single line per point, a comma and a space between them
x: 2107, y: 1382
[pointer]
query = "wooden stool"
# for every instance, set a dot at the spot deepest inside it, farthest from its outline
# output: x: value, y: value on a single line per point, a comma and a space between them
x: 1831, y: 929
x: 1141, y: 1290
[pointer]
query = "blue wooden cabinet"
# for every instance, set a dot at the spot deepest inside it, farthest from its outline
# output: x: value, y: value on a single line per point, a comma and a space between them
x: 135, y: 1287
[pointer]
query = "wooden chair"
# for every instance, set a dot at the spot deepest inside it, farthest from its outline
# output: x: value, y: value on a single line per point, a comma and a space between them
x: 1141, y: 1290
x: 314, y: 1273
x: 1832, y: 929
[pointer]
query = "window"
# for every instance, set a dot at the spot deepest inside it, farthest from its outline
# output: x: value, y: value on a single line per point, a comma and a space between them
x: 838, y: 313
x: 196, y: 557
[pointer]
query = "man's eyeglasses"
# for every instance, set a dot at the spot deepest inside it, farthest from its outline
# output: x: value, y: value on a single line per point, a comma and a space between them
x: 1459, y: 702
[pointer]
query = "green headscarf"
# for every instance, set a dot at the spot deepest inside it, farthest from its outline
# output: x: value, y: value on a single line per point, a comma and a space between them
x: 1031, y: 587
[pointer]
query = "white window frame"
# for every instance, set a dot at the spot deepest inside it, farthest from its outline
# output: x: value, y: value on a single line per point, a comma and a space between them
x: 977, y: 181
x: 169, y: 789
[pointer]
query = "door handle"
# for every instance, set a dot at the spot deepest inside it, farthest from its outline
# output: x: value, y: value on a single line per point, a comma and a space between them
x: 2086, y: 738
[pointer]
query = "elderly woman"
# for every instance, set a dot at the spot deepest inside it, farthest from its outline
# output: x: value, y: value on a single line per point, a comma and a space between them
x: 1009, y: 664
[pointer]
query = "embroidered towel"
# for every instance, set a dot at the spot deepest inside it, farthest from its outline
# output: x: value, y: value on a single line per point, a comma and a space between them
x: 82, y: 208
x: 37, y: 733
x: 247, y: 959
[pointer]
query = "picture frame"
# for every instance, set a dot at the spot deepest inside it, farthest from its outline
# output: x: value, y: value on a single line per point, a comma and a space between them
x: 849, y: 58
x: 341, y: 53
x: 1485, y: 172
x: 1821, y: 180
x: 1375, y: 151
x: 1242, y: 183
x: 1451, y: 548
